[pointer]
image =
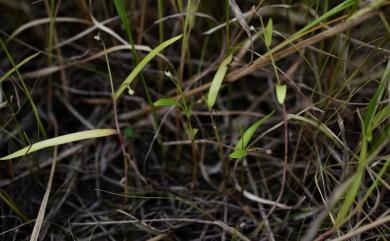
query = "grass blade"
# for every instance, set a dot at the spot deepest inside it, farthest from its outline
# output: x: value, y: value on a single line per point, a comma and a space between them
x: 59, y: 140
x: 120, y: 8
x: 321, y: 127
x: 143, y: 63
x: 381, y: 116
x: 23, y: 62
x: 366, y: 137
x: 11, y: 204
x: 217, y: 81
x: 373, y: 105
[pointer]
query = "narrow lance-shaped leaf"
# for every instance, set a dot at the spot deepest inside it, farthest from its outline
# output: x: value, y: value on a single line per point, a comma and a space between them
x: 166, y: 102
x: 59, y: 140
x: 247, y: 136
x: 217, y: 81
x: 281, y: 91
x: 143, y: 63
x: 268, y: 33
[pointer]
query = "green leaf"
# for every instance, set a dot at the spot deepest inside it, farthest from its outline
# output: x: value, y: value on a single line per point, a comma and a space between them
x: 268, y: 33
x: 143, y: 63
x: 128, y: 133
x: 217, y: 81
x: 239, y: 153
x: 166, y: 102
x: 247, y: 136
x: 373, y: 105
x: 120, y: 8
x: 281, y: 93
x: 59, y: 140
x: 194, y: 131
x: 381, y: 116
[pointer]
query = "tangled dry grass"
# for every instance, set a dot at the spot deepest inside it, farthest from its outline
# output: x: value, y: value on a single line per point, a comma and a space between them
x: 186, y: 162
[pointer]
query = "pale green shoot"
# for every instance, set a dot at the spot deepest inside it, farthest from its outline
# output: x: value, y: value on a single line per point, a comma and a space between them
x: 268, y: 33
x: 217, y: 81
x: 166, y: 102
x: 281, y: 91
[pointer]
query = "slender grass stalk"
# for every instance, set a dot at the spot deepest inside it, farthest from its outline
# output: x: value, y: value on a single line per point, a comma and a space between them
x: 24, y: 87
x: 120, y: 7
x: 60, y: 140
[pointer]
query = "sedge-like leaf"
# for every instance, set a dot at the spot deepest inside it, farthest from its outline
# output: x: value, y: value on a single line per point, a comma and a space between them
x: 217, y: 81
x: 59, y: 140
x: 143, y: 63
x: 373, y: 105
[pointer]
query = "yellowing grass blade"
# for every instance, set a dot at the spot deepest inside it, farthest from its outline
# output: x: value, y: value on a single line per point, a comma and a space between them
x: 321, y: 127
x: 59, y: 140
x: 217, y: 81
x: 143, y: 63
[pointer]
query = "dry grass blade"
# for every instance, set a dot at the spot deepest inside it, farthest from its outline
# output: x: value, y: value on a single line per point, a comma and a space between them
x: 362, y: 229
x: 239, y: 15
x: 215, y: 165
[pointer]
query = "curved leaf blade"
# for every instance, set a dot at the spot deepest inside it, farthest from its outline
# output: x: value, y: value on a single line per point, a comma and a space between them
x: 143, y: 63
x: 321, y: 127
x: 217, y: 81
x: 59, y: 140
x: 23, y: 62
